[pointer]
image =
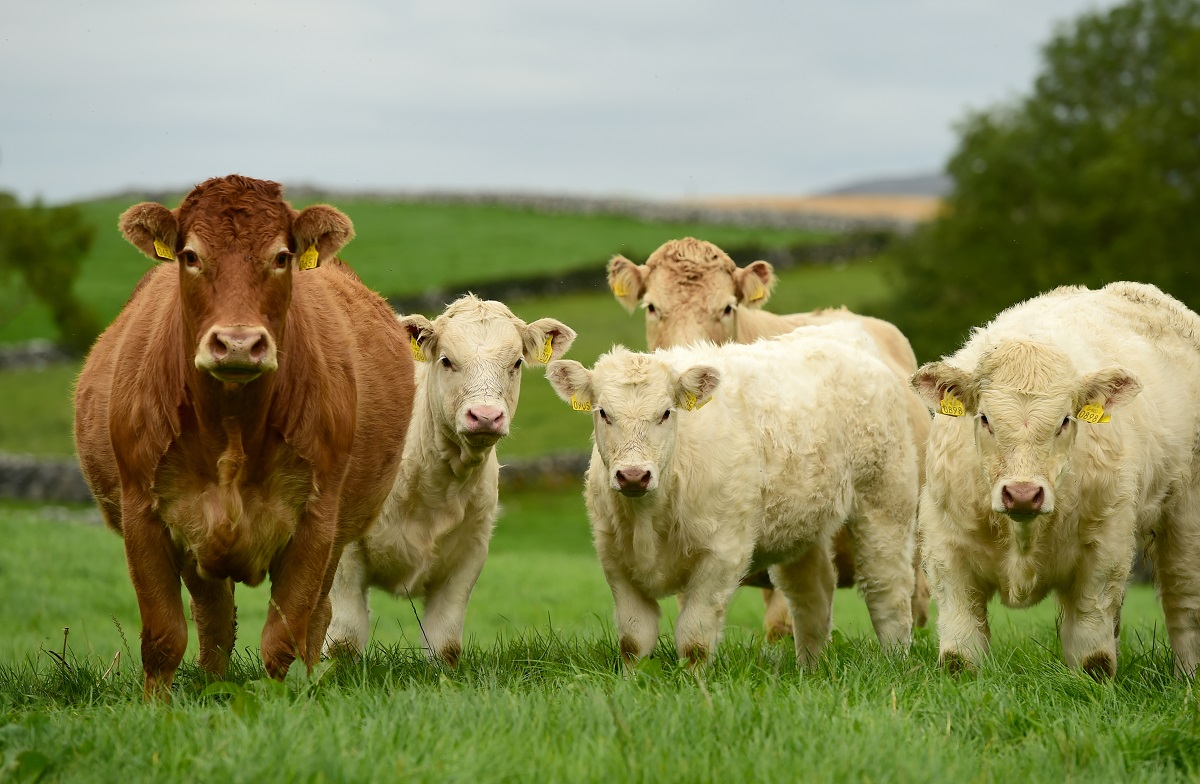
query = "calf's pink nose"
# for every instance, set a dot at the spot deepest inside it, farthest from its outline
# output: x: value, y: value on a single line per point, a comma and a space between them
x: 1023, y: 497
x: 633, y: 478
x: 485, y: 419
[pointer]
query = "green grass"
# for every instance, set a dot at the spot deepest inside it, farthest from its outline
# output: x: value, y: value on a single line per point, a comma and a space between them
x: 41, y: 399
x: 538, y: 695
x: 409, y: 248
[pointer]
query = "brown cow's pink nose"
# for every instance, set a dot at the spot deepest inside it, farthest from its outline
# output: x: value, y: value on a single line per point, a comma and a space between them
x: 486, y: 419
x: 1023, y: 498
x: 633, y: 480
x: 246, y: 346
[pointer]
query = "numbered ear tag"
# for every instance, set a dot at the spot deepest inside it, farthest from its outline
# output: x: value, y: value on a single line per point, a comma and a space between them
x: 308, y: 260
x: 163, y: 251
x: 952, y: 406
x: 689, y: 402
x: 1093, y: 413
x: 618, y: 288
x: 418, y: 354
x: 759, y: 293
x: 547, y: 350
x: 580, y: 405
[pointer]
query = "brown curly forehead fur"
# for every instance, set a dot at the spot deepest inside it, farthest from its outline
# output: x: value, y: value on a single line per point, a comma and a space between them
x: 235, y: 210
x: 689, y: 261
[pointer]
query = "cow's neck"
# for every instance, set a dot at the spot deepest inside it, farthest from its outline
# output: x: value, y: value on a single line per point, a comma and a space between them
x: 232, y: 417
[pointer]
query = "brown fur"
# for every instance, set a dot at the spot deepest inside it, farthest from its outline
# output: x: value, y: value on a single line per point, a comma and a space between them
x: 688, y: 282
x: 216, y: 482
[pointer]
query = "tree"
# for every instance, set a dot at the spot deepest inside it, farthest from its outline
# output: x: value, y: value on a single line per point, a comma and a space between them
x: 43, y: 248
x: 1094, y: 177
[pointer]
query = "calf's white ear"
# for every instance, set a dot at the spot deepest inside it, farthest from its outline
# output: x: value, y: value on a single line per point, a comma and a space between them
x: 753, y: 284
x: 422, y: 337
x: 572, y: 382
x: 936, y: 382
x: 152, y: 229
x: 1111, y: 387
x: 696, y: 386
x: 627, y: 281
x: 321, y: 230
x: 546, y: 339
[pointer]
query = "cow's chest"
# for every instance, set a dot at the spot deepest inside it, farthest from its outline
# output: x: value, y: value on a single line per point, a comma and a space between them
x: 232, y: 515
x: 407, y: 545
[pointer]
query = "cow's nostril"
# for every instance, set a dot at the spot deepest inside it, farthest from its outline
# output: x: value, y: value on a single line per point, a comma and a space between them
x: 259, y: 348
x: 217, y: 346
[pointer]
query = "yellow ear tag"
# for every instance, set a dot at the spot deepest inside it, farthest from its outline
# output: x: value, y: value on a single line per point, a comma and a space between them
x: 580, y: 405
x: 689, y: 402
x: 547, y: 350
x: 1093, y: 412
x: 952, y: 406
x: 618, y: 289
x: 308, y: 260
x: 759, y: 293
x: 418, y: 354
x: 163, y: 251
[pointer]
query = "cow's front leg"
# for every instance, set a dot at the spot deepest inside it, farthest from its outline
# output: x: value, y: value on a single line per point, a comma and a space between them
x: 963, y: 632
x: 154, y: 570
x: 301, y: 576
x: 1176, y: 550
x: 216, y: 618
x: 636, y: 614
x: 350, y: 624
x: 705, y: 601
x: 446, y: 602
x: 808, y: 583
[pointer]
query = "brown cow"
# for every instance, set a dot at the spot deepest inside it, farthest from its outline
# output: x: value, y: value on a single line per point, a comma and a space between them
x: 243, y: 416
x: 692, y: 290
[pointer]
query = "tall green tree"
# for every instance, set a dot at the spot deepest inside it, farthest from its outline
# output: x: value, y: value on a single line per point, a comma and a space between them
x: 1094, y: 177
x: 41, y: 250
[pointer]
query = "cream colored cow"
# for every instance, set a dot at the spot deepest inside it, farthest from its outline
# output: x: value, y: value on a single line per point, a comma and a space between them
x: 432, y: 538
x: 1071, y: 429
x: 691, y: 290
x: 709, y: 461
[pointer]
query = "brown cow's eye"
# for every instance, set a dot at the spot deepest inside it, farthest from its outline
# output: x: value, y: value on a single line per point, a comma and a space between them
x: 189, y: 259
x: 283, y: 260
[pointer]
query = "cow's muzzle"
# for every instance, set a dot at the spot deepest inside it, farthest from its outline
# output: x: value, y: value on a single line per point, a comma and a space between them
x: 633, y: 482
x: 237, y: 354
x: 1023, y: 500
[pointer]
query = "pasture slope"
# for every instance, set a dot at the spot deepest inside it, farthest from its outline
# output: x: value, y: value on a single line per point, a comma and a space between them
x: 538, y: 696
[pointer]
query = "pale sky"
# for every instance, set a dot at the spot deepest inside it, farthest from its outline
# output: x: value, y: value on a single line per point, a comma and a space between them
x: 650, y: 99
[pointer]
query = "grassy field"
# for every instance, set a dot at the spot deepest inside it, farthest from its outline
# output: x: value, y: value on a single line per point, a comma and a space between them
x: 538, y: 695
x: 409, y: 248
x: 543, y: 423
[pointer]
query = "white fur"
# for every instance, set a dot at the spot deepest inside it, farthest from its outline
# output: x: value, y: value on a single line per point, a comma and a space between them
x: 431, y: 540
x: 1105, y: 484
x: 802, y: 435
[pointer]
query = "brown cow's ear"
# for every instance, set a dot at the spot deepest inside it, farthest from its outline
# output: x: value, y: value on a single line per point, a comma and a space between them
x: 627, y: 281
x: 1111, y: 387
x: 572, y: 382
x: 546, y: 339
x: 696, y: 386
x: 152, y: 229
x: 754, y: 283
x: 422, y: 336
x: 941, y: 385
x: 323, y: 228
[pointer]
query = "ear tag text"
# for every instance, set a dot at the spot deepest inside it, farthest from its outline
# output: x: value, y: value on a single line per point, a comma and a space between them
x: 1093, y: 413
x: 418, y: 354
x: 547, y: 350
x: 163, y: 251
x: 308, y: 260
x: 618, y: 288
x: 580, y: 405
x: 689, y: 402
x: 952, y: 406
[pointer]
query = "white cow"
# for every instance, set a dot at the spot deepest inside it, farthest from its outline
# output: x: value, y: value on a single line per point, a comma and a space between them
x: 432, y: 537
x: 709, y: 461
x: 1072, y: 429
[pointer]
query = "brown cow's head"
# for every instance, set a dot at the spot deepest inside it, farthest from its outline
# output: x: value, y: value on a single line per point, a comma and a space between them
x: 691, y: 291
x: 237, y: 244
x: 1026, y: 399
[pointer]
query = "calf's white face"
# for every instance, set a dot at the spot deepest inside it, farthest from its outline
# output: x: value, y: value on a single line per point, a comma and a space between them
x: 1025, y: 399
x: 636, y: 402
x: 475, y: 352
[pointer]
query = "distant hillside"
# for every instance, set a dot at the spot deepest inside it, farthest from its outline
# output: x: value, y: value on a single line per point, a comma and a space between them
x: 934, y: 184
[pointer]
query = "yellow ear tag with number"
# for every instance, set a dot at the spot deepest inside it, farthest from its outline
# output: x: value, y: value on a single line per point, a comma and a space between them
x: 952, y: 406
x: 547, y: 350
x: 759, y: 293
x: 308, y: 260
x: 1093, y: 412
x: 618, y: 289
x: 418, y: 354
x: 163, y: 251
x: 580, y: 405
x: 689, y: 402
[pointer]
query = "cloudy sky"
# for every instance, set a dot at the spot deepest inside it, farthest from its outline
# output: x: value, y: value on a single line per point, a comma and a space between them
x: 621, y: 97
